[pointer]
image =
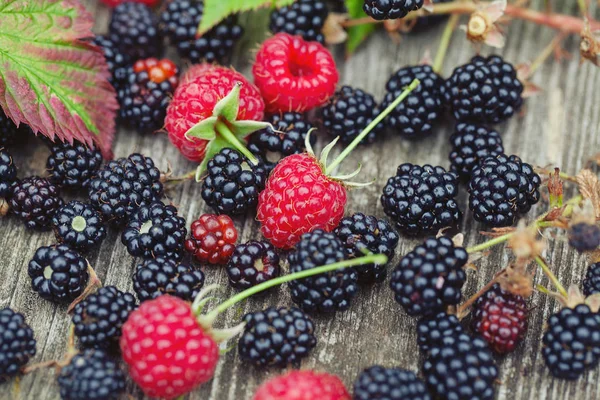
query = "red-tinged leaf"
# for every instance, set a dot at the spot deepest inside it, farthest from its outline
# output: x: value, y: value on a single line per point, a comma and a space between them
x: 50, y: 78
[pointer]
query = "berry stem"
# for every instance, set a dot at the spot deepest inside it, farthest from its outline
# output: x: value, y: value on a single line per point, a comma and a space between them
x: 370, y: 127
x: 540, y: 261
x: 224, y: 131
x: 490, y: 243
x: 464, y: 306
x: 445, y: 42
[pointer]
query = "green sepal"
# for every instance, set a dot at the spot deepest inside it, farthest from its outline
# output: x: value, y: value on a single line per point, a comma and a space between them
x: 227, y: 108
x: 204, y: 129
x: 245, y: 128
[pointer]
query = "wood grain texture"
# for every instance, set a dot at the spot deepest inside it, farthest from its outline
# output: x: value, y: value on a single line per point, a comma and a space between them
x: 560, y: 126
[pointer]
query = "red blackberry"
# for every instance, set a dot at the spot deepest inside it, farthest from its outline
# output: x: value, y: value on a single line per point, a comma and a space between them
x: 381, y: 383
x: 58, y: 273
x: 72, y: 165
x: 134, y: 28
x: 123, y: 185
x: 233, y: 183
x: 571, y: 343
x: 278, y: 337
x: 35, y: 200
x: 430, y: 277
x: 99, y: 317
x: 501, y: 189
x: 471, y: 144
x: 327, y: 292
x: 212, y: 239
x: 252, y: 263
x: 362, y: 234
x: 154, y: 231
x: 415, y: 116
x: 117, y: 61
x: 584, y: 237
x: 17, y: 344
x: 500, y: 317
x: 78, y: 225
x: 591, y: 282
x: 390, y: 9
x: 8, y: 179
x: 432, y: 329
x: 303, y: 17
x: 155, y: 277
x: 485, y: 90
x: 9, y: 133
x: 421, y: 200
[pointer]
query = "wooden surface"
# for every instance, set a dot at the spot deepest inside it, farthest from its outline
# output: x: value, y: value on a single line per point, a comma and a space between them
x: 560, y: 126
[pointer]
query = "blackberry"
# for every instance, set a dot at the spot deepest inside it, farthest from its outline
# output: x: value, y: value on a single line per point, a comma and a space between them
x: 377, y: 382
x: 154, y: 231
x: 571, y: 343
x: 35, y: 200
x: 486, y: 90
x: 233, y: 183
x: 471, y: 144
x: 365, y: 233
x: 430, y: 277
x: 432, y: 329
x: 8, y: 174
x: 328, y: 292
x: 584, y: 237
x: 122, y: 186
x: 421, y: 200
x: 91, y: 375
x: 58, y: 273
x: 99, y: 317
x: 155, y: 277
x: 348, y: 112
x: 9, y: 133
x: 303, y: 17
x: 17, y: 344
x: 72, y: 165
x: 415, y: 116
x: 134, y: 28
x: 78, y: 225
x: 591, y: 282
x: 501, y: 189
x: 179, y: 22
x: 277, y: 337
x: 252, y: 263
x: 390, y: 9
x: 117, y: 62
x: 462, y: 367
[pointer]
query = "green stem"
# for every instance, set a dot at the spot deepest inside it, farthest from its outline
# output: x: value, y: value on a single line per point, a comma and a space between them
x: 224, y: 131
x: 372, y: 125
x: 551, y: 276
x: 445, y: 42
x: 490, y: 243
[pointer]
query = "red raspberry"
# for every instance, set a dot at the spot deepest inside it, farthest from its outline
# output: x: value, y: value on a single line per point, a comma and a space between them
x: 167, y: 351
x: 299, y: 198
x: 303, y: 385
x: 158, y: 70
x: 195, y: 98
x: 501, y: 318
x: 212, y: 239
x: 293, y: 74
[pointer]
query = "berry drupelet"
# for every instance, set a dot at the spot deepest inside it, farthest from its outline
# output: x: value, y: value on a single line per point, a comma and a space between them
x: 390, y: 9
x: 35, y: 200
x: 212, y: 239
x: 117, y: 61
x: 303, y: 385
x: 134, y: 28
x: 584, y: 236
x: 9, y: 133
x: 430, y: 277
x: 303, y: 17
x: 278, y: 337
x: 8, y: 179
x: 78, y: 225
x: 327, y: 292
x: 252, y: 263
x: 421, y: 200
x: 72, y: 165
x: 501, y: 189
x: 155, y: 277
x: 471, y: 144
x: 377, y: 382
x: 432, y: 329
x: 591, y: 282
x: 17, y: 344
x: 362, y: 234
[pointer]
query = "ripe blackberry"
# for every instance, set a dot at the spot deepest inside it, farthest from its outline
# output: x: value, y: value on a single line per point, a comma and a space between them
x: 462, y: 367
x: 134, y: 28
x: 8, y: 178
x: 430, y: 277
x: 571, y: 343
x: 390, y: 9
x: 123, y: 185
x: 155, y: 277
x: 278, y: 337
x: 233, y: 183
x: 485, y: 90
x: 91, y: 375
x: 584, y: 237
x: 9, y: 133
x: 377, y: 382
x: 252, y: 263
x: 432, y: 329
x: 500, y: 317
x: 99, y: 317
x: 591, y: 282
x: 58, y: 273
x: 78, y: 225
x: 117, y: 61
x: 212, y: 239
x: 365, y: 233
x: 72, y: 165
x: 501, y: 189
x: 415, y: 116
x: 303, y: 17
x: 471, y: 144
x: 327, y: 292
x: 154, y: 231
x: 179, y: 22
x: 421, y: 200
x: 17, y: 344
x: 348, y: 112
x: 35, y: 200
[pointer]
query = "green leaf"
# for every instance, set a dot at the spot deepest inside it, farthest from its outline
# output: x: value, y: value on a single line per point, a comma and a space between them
x: 50, y: 78
x: 357, y: 34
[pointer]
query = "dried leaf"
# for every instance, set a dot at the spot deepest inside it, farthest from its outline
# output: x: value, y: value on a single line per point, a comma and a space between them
x: 589, y: 187
x: 333, y: 30
x: 495, y: 232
